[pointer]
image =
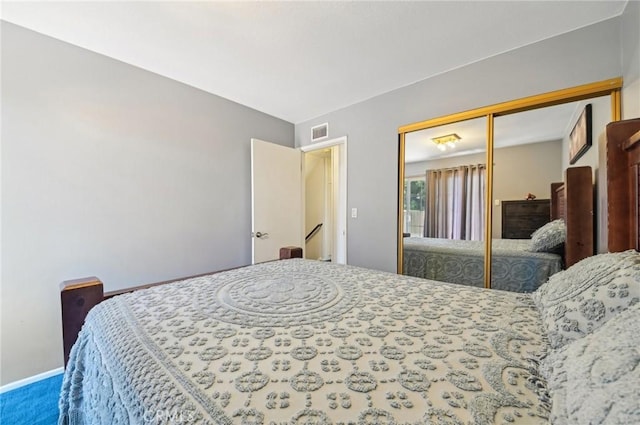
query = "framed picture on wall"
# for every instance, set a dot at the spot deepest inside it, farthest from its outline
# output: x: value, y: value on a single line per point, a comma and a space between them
x: 580, y: 136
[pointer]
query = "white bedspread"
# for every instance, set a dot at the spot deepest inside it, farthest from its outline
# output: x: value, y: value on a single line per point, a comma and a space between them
x: 300, y: 341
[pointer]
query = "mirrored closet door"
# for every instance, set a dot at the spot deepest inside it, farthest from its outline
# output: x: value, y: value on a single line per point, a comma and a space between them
x: 444, y: 202
x: 462, y: 176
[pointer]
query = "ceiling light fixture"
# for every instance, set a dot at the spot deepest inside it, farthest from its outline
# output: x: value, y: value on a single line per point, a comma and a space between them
x: 443, y: 142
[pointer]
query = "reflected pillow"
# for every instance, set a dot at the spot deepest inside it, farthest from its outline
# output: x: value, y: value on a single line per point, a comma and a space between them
x: 549, y: 237
x: 595, y: 380
x: 577, y: 301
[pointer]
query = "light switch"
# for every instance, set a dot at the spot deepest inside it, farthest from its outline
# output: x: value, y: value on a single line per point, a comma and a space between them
x: 497, y: 202
x: 354, y: 213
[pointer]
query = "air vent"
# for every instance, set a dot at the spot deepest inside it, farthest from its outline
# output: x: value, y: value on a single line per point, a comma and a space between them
x: 320, y: 132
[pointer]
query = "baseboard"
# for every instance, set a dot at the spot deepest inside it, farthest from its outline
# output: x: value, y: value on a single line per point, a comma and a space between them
x: 30, y: 380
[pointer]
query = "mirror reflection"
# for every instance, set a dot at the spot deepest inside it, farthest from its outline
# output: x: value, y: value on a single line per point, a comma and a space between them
x: 444, y: 202
x: 445, y: 199
x: 527, y: 159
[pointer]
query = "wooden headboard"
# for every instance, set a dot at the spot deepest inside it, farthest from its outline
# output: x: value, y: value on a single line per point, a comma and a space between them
x: 623, y: 185
x: 572, y: 201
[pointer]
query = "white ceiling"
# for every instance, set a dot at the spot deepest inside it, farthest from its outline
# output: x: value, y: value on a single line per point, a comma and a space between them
x: 299, y: 60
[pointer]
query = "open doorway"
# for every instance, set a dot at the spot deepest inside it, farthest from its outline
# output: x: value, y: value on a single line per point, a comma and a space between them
x: 325, y: 205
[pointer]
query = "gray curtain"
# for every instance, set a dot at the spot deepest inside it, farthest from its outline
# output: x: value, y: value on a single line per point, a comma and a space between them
x: 455, y: 203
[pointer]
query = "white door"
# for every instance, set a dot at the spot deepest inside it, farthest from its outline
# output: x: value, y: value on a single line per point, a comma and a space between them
x: 276, y: 200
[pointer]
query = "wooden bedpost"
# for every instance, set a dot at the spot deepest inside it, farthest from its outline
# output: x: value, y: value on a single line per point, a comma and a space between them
x: 290, y: 252
x: 557, y: 201
x: 579, y: 217
x: 77, y: 297
x: 623, y: 185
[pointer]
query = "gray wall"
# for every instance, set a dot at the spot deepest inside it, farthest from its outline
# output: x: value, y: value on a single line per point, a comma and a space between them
x: 112, y: 171
x: 579, y: 57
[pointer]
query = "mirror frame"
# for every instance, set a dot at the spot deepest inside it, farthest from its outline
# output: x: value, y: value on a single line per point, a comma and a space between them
x: 611, y: 87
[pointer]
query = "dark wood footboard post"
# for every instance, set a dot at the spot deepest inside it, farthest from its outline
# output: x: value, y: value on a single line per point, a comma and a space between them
x: 77, y: 297
x: 290, y: 252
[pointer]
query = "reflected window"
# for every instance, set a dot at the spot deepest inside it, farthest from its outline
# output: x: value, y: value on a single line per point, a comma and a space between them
x: 414, y: 205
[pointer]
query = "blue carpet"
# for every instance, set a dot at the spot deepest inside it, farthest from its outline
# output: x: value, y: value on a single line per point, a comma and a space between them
x: 33, y: 404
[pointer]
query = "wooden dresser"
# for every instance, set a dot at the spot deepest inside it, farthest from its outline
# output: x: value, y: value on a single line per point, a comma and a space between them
x: 521, y: 218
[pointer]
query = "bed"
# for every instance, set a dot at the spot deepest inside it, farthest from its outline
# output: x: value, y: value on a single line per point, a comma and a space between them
x: 299, y: 341
x: 516, y: 264
x: 514, y: 267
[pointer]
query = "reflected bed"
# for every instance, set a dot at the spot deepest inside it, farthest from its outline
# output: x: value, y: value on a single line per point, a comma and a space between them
x: 514, y: 267
x: 515, y: 264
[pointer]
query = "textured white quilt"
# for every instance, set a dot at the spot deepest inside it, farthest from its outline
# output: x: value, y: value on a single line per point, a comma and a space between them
x: 300, y: 341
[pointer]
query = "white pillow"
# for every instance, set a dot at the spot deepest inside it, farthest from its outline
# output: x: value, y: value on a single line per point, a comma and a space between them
x: 596, y: 380
x: 549, y: 237
x: 577, y: 301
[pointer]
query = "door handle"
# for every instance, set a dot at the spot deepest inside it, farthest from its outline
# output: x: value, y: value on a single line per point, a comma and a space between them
x: 260, y: 235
